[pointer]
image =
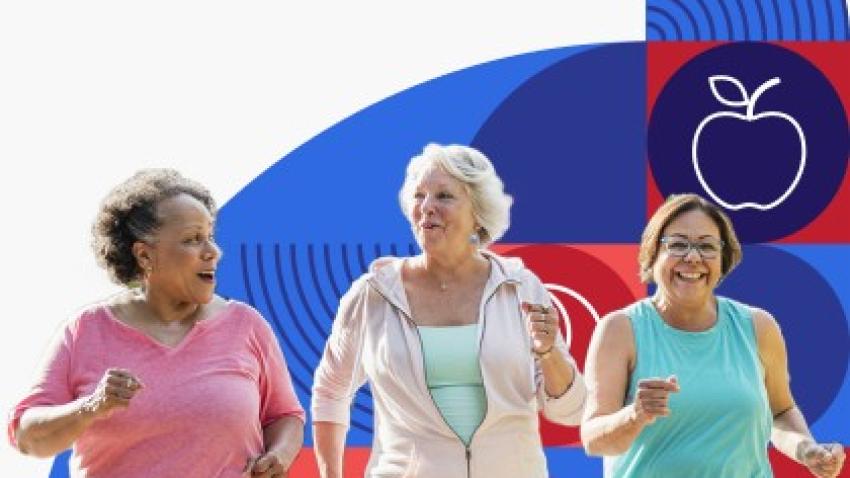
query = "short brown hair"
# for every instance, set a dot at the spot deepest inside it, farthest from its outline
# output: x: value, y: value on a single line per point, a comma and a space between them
x: 675, y: 206
x: 128, y: 214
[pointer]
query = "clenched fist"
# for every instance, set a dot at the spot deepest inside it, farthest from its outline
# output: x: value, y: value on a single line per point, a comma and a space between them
x: 823, y: 460
x: 652, y: 398
x: 265, y: 466
x: 114, y: 391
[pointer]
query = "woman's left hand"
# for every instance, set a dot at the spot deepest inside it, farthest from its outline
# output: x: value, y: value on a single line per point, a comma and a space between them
x: 267, y: 465
x: 824, y: 460
x: 542, y: 324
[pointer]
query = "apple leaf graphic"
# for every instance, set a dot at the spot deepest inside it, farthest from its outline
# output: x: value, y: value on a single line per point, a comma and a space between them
x: 715, y: 80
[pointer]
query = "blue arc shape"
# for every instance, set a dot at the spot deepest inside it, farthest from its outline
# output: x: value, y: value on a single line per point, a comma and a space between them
x: 326, y: 252
x: 279, y: 329
x: 812, y: 26
x: 294, y: 318
x: 661, y: 35
x: 748, y: 20
x: 311, y: 260
x: 569, y: 129
x: 762, y: 20
x: 669, y: 18
x: 745, y: 22
x: 795, y: 14
x: 709, y: 20
x: 691, y: 18
x: 778, y: 14
x: 829, y: 19
x: 361, y: 259
x: 299, y: 289
x: 345, y: 264
x: 730, y: 30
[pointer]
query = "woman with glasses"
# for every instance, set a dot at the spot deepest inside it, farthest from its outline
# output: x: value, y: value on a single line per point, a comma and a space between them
x: 164, y: 379
x: 687, y: 383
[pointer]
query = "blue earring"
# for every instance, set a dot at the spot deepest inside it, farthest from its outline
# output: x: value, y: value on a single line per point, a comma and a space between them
x: 475, y: 239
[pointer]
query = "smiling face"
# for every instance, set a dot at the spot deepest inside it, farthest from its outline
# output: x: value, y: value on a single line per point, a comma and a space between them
x: 688, y: 280
x: 181, y: 259
x: 441, y: 212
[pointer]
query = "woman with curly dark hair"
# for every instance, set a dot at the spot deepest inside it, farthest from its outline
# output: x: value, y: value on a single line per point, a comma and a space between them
x: 164, y: 379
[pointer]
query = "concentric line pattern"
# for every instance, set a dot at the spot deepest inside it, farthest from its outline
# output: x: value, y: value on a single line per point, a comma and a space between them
x: 297, y: 287
x: 747, y: 20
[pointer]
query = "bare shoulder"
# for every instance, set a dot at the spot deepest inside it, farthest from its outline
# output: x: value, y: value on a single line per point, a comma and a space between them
x: 611, y: 359
x: 763, y: 322
x: 615, y: 326
x: 768, y: 334
x: 614, y: 336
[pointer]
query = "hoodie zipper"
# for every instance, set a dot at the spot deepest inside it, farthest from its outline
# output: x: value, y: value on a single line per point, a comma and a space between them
x: 467, y: 448
x: 467, y: 451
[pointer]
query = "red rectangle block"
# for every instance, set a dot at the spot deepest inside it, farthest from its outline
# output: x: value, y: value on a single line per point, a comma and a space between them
x: 305, y: 466
x: 784, y: 467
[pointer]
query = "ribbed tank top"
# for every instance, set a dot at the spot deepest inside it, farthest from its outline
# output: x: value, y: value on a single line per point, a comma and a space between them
x: 453, y: 376
x: 720, y: 419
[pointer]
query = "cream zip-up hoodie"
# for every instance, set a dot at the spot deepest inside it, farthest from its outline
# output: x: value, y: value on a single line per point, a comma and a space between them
x: 374, y: 338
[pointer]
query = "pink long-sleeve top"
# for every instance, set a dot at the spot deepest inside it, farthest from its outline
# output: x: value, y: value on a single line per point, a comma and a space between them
x: 203, y: 406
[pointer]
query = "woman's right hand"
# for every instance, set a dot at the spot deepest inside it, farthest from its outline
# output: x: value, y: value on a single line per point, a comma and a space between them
x: 114, y: 391
x: 823, y: 460
x: 652, y: 398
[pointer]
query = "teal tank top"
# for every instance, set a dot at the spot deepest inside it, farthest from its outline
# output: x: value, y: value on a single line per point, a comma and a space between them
x: 453, y: 376
x: 720, y: 419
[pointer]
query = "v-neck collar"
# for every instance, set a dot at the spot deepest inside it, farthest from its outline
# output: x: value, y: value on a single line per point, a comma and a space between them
x: 194, y: 330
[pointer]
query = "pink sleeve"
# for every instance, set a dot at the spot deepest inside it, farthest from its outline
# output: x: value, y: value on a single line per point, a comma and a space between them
x: 52, y: 384
x: 277, y: 397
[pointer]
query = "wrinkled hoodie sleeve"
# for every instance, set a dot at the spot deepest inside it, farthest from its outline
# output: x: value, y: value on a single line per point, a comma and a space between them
x: 340, y: 372
x: 569, y: 407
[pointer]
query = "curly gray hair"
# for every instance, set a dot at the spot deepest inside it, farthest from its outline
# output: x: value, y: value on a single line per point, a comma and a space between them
x: 128, y: 214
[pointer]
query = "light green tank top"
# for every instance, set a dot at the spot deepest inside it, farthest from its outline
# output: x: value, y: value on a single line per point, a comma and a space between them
x: 453, y: 376
x: 720, y: 419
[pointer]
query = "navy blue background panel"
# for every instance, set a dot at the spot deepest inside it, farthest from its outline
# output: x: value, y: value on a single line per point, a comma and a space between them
x: 570, y: 144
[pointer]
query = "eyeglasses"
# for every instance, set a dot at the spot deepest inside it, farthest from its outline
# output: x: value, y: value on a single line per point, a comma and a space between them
x: 680, y: 247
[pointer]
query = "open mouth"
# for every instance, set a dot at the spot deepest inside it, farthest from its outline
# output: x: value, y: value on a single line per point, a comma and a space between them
x: 207, y: 276
x: 690, y: 276
x: 429, y: 226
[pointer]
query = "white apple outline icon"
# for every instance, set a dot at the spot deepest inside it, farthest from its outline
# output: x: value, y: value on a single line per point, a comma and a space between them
x: 750, y: 103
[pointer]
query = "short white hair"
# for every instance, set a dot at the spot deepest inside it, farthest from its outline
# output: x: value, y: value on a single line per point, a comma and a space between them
x: 491, y: 206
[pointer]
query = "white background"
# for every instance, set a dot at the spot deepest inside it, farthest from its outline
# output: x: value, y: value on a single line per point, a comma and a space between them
x: 91, y: 91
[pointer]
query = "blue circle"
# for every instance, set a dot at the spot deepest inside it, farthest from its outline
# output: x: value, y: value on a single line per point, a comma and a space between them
x: 810, y: 315
x: 570, y: 143
x: 796, y: 130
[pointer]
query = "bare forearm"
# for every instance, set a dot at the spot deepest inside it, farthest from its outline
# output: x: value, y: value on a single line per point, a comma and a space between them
x: 558, y: 374
x: 46, y: 431
x: 329, y: 443
x: 611, y: 434
x: 284, y: 437
x: 790, y: 434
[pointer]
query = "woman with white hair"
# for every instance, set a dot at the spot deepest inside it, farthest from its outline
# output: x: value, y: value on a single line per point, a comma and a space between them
x: 461, y: 347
